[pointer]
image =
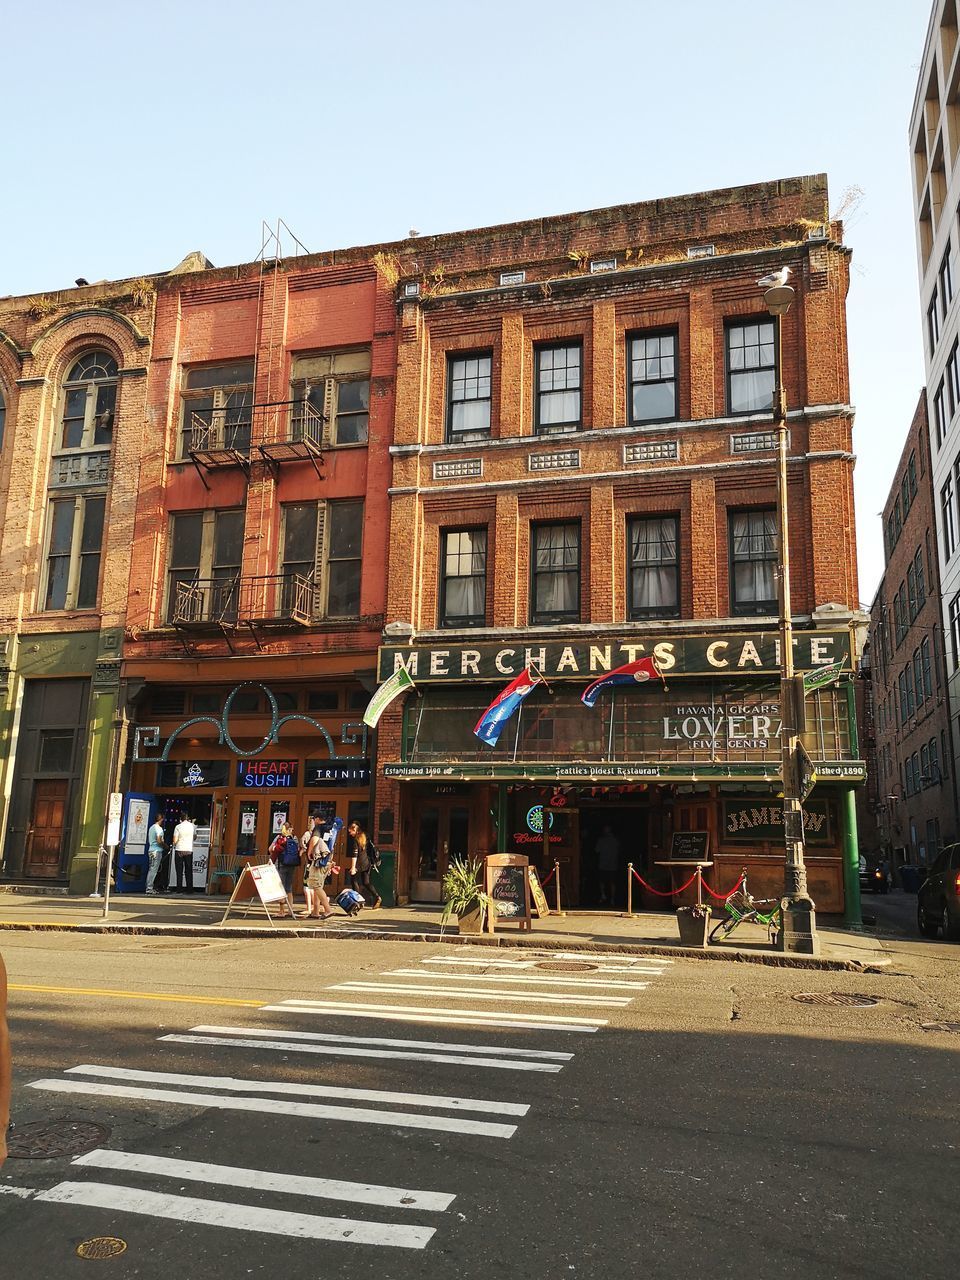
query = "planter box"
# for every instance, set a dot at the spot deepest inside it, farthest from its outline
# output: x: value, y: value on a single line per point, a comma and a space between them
x: 694, y: 924
x: 471, y: 921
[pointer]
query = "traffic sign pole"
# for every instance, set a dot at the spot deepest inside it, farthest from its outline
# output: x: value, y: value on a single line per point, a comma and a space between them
x: 114, y: 810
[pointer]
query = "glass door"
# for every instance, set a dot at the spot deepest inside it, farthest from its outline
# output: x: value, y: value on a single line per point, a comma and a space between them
x: 442, y: 833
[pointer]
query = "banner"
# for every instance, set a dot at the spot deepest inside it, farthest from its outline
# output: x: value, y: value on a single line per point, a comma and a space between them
x: 813, y: 680
x: 398, y: 683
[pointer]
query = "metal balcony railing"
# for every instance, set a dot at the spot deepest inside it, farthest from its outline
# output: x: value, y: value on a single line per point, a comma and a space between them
x: 278, y: 599
x: 217, y: 431
x: 205, y: 603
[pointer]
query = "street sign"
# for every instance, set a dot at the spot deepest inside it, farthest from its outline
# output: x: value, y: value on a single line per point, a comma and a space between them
x: 806, y: 772
x: 114, y: 809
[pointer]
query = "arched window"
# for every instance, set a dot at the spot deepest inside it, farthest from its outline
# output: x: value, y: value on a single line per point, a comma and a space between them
x: 89, y: 402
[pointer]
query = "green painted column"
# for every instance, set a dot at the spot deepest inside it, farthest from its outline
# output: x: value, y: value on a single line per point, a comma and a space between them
x: 851, y: 859
x: 95, y: 787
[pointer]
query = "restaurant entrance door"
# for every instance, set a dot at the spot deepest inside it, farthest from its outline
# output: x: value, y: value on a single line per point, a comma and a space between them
x: 442, y: 833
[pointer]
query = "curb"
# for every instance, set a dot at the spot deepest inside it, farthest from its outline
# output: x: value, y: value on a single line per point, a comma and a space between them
x: 772, y: 960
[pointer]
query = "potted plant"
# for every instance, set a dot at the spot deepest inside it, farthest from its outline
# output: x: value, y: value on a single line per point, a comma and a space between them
x: 463, y: 896
x: 694, y: 924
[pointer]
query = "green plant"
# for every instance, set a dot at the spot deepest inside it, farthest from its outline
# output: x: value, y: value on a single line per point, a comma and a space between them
x: 461, y: 889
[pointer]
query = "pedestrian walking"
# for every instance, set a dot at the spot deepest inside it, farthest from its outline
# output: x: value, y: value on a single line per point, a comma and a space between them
x: 156, y: 843
x: 318, y: 859
x: 6, y: 1069
x: 364, y: 858
x: 286, y: 852
x: 183, y: 837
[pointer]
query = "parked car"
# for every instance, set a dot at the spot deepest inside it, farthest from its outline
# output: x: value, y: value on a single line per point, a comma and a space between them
x: 874, y: 878
x: 938, y: 902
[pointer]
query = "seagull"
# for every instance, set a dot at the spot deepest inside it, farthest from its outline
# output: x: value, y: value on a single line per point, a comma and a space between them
x: 775, y: 279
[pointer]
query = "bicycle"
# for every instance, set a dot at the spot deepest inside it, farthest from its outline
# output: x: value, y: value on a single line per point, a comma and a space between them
x: 742, y: 907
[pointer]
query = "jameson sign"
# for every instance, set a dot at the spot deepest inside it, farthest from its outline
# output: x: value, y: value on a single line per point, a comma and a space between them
x: 749, y: 820
x: 742, y: 654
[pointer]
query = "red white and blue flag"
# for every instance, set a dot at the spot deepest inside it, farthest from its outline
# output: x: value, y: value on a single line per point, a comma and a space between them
x: 632, y: 673
x: 490, y: 725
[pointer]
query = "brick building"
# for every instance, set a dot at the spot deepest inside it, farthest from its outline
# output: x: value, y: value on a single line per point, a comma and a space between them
x: 584, y: 473
x: 912, y: 775
x: 72, y: 386
x: 257, y: 584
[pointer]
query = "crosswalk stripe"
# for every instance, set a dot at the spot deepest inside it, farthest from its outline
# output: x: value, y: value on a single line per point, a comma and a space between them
x: 347, y: 1051
x: 596, y: 957
x: 231, y: 1085
x: 436, y: 1046
x: 239, y: 1217
x: 449, y: 1017
x: 525, y: 965
x: 262, y: 1180
x: 276, y: 1106
x: 483, y: 993
x: 550, y: 981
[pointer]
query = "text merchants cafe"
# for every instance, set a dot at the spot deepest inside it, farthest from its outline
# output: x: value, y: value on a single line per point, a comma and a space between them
x: 594, y: 768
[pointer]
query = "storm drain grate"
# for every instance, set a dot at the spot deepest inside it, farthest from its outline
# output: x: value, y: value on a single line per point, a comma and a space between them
x: 41, y: 1140
x: 101, y: 1247
x: 566, y: 966
x: 941, y: 1026
x: 836, y: 998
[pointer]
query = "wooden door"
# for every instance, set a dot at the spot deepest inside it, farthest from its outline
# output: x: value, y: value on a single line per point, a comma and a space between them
x: 442, y: 833
x: 44, y: 847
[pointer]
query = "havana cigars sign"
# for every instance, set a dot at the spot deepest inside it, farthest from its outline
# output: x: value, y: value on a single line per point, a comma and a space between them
x: 740, y: 654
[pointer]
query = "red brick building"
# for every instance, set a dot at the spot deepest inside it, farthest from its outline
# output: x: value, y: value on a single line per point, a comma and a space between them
x: 584, y: 473
x: 912, y: 773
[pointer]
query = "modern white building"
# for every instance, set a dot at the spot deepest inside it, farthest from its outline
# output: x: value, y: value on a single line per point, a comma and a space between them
x: 935, y: 159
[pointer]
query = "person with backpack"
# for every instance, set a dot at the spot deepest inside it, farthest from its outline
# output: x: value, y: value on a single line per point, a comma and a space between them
x: 364, y: 858
x: 285, y: 852
x: 318, y: 865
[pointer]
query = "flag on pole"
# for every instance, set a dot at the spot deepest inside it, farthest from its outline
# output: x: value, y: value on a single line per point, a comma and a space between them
x: 632, y: 673
x: 821, y: 677
x: 398, y: 683
x: 490, y: 725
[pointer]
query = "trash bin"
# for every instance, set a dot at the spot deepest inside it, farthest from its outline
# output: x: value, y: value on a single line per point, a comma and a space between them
x: 383, y: 880
x: 910, y: 878
x: 131, y: 873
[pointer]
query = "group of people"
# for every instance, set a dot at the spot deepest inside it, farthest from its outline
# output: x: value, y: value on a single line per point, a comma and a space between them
x: 314, y: 853
x: 181, y: 849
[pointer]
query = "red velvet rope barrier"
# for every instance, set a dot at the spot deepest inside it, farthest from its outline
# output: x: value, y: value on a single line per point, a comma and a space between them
x: 722, y: 897
x: 548, y: 878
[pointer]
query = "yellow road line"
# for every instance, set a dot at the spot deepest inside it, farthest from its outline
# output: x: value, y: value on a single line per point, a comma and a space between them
x: 135, y: 995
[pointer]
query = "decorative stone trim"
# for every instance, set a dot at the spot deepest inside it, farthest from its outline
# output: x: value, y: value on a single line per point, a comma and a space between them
x: 457, y: 469
x: 652, y: 451
x: 560, y: 460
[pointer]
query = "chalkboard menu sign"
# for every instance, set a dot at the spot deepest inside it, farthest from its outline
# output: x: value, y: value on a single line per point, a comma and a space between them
x: 507, y: 881
x: 690, y: 846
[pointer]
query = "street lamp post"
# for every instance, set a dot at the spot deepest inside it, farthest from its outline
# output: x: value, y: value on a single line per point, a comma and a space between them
x: 798, y: 932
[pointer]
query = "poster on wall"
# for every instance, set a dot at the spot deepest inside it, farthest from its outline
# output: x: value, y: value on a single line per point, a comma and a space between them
x: 201, y: 857
x: 138, y: 823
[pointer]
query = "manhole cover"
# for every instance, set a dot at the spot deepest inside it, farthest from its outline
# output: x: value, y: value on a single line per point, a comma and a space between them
x: 42, y: 1140
x: 566, y: 966
x: 941, y: 1026
x: 101, y: 1247
x: 836, y: 998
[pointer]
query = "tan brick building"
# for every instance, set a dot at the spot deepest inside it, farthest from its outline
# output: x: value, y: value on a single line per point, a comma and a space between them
x: 584, y: 473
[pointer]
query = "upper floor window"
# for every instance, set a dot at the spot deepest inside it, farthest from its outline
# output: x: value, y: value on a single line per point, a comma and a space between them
x: 653, y: 377
x: 468, y: 396
x: 203, y: 566
x: 74, y: 540
x: 653, y: 567
x: 945, y: 280
x: 331, y: 397
x: 753, y: 556
x: 955, y: 632
x: 933, y: 322
x: 949, y: 519
x: 323, y: 541
x: 940, y: 412
x: 89, y: 402
x: 559, y: 374
x: 463, y: 578
x: 953, y: 378
x: 751, y: 366
x: 217, y: 405
x: 912, y: 472
x: 555, y: 573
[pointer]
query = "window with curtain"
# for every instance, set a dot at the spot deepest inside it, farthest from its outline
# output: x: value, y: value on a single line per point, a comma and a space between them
x: 463, y: 578
x: 468, y: 396
x: 751, y: 361
x: 753, y: 557
x: 558, y: 400
x: 653, y: 567
x: 653, y: 377
x: 555, y: 572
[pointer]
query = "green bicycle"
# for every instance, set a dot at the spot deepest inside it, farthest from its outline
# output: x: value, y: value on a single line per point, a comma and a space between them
x: 743, y: 907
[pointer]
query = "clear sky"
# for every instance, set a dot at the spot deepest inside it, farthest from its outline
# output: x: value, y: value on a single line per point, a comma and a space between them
x: 138, y: 132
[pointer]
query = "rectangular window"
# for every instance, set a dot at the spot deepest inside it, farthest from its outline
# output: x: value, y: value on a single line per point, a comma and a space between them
x: 653, y: 567
x: 955, y: 631
x: 940, y: 413
x: 330, y: 397
x: 217, y: 407
x: 908, y: 683
x: 902, y: 598
x: 902, y: 691
x: 912, y: 464
x: 203, y: 568
x: 753, y: 555
x: 73, y: 552
x: 751, y: 361
x: 911, y: 592
x: 463, y: 578
x: 469, y: 396
x: 949, y: 519
x: 918, y: 678
x: 555, y: 573
x: 918, y: 574
x: 905, y: 497
x: 935, y: 775
x: 953, y: 386
x: 945, y: 278
x: 926, y: 668
x: 88, y: 415
x: 898, y: 627
x: 933, y: 323
x: 925, y: 778
x: 558, y: 398
x: 322, y: 542
x: 652, y: 392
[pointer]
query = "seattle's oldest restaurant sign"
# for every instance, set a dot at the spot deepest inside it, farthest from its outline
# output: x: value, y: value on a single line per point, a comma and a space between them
x: 740, y: 654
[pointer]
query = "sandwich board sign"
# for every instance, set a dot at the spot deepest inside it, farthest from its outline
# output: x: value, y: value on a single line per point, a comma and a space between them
x: 507, y: 881
x: 258, y: 884
x: 537, y: 896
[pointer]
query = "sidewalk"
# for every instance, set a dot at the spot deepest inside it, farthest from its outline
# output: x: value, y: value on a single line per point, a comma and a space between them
x: 200, y: 915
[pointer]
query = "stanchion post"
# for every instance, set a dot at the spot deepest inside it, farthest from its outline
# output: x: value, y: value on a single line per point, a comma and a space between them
x: 630, y: 890
x: 556, y: 872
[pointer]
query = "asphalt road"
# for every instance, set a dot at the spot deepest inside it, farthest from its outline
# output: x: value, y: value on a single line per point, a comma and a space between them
x: 708, y: 1124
